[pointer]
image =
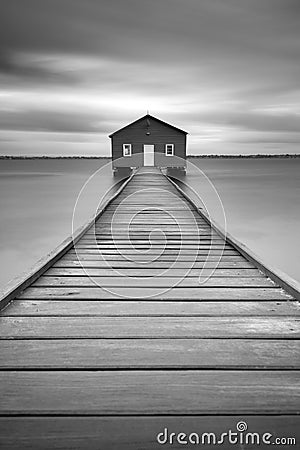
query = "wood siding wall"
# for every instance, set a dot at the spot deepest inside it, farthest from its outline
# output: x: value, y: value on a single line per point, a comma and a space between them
x: 161, y: 134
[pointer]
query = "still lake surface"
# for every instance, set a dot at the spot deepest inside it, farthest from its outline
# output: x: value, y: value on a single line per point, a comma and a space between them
x: 261, y: 199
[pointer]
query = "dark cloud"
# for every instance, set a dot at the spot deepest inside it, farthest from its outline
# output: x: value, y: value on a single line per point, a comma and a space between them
x: 200, y: 63
x: 153, y: 30
x: 21, y: 68
x: 55, y: 121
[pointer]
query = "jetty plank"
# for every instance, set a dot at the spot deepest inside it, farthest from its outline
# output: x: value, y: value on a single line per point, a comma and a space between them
x: 199, y: 293
x: 163, y: 281
x: 135, y: 433
x: 149, y: 354
x: 69, y: 262
x: 115, y: 308
x: 228, y: 273
x: 147, y: 392
x: 149, y: 327
x: 139, y: 256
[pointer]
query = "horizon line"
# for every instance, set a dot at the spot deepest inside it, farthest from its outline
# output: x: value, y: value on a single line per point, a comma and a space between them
x: 203, y: 155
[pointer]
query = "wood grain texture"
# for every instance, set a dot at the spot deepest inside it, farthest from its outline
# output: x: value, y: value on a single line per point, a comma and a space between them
x: 141, y: 282
x: 154, y: 234
x: 193, y: 273
x: 143, y: 233
x: 156, y: 250
x: 121, y: 227
x: 121, y: 308
x: 141, y: 257
x: 176, y: 218
x: 167, y: 240
x: 66, y: 262
x: 155, y: 245
x: 198, y: 293
x: 150, y: 354
x: 149, y: 327
x: 133, y: 433
x: 144, y: 392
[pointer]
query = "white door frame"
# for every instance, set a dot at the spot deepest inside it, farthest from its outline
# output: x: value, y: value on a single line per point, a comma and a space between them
x: 149, y: 155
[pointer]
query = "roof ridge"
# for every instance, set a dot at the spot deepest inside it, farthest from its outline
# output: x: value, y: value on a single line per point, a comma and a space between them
x: 144, y: 117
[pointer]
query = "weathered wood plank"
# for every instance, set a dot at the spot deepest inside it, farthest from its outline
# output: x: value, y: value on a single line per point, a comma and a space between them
x: 112, y: 239
x: 167, y: 225
x: 146, y: 227
x: 149, y: 354
x: 78, y: 271
x: 155, y: 245
x: 164, y: 210
x: 66, y: 262
x: 149, y: 327
x: 146, y: 235
x: 143, y: 209
x: 149, y: 202
x: 45, y: 281
x: 181, y: 227
x: 144, y: 392
x: 149, y: 308
x: 174, y: 215
x: 180, y: 221
x: 142, y: 256
x: 134, y: 433
x: 202, y: 293
x: 157, y: 249
x: 145, y: 205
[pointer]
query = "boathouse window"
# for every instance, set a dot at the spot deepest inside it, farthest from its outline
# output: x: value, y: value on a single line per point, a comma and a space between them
x: 126, y: 149
x: 169, y: 149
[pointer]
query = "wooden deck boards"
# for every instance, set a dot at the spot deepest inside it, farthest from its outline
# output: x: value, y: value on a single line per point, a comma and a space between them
x: 124, y: 331
x: 134, y: 432
x: 147, y: 392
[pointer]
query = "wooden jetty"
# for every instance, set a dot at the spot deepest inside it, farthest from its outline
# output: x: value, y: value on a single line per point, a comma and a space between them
x: 114, y: 338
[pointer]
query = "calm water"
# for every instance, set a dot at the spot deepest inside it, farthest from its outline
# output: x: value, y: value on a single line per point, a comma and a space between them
x: 260, y: 197
x: 37, y: 201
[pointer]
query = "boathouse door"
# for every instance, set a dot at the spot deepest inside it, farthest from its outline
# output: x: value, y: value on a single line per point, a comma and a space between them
x: 148, y: 155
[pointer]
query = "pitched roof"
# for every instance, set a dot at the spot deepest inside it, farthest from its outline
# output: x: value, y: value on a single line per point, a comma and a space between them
x: 148, y: 116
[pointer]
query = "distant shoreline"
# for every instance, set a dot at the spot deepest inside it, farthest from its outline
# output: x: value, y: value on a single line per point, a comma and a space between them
x: 54, y: 157
x: 254, y: 156
x: 258, y: 155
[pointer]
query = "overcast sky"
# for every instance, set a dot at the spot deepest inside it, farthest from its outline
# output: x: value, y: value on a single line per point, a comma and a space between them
x: 73, y: 71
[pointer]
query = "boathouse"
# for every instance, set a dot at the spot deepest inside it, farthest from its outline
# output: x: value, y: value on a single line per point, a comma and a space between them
x: 148, y: 141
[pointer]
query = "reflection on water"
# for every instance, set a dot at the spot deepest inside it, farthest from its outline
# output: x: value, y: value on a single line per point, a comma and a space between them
x: 260, y: 197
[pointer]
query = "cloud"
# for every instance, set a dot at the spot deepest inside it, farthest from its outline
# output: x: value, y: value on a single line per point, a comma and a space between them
x: 26, y: 67
x: 55, y: 121
x: 144, y: 30
x: 268, y: 138
x: 219, y: 68
x: 253, y: 120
